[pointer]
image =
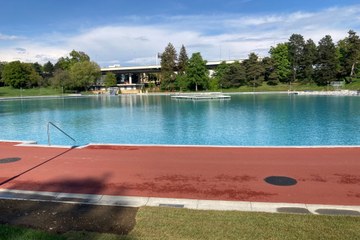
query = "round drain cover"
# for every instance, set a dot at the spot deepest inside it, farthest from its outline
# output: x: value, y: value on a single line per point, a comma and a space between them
x: 9, y: 160
x: 280, y: 181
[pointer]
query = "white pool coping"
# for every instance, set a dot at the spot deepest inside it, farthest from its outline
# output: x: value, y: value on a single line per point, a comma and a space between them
x: 35, y: 144
x: 196, y: 204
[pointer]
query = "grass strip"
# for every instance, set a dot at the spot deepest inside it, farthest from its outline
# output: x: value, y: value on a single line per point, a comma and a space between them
x: 11, y: 92
x: 171, y: 223
x: 167, y: 223
x: 9, y: 232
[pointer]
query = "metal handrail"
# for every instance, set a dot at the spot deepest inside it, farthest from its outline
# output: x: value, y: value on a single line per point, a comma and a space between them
x: 48, y: 132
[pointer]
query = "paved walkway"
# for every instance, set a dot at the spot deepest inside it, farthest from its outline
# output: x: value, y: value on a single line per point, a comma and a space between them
x: 195, y: 177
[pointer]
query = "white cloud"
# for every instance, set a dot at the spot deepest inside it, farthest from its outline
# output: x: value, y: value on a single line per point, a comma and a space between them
x: 4, y: 37
x: 216, y: 37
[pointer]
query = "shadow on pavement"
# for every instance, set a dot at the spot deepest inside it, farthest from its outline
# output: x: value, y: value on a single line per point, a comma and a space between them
x: 48, y: 213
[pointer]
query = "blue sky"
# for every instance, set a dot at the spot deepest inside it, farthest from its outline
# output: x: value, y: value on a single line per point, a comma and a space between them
x: 133, y: 32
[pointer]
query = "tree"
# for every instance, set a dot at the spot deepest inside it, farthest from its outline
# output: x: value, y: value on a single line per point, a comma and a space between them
x: 235, y: 76
x: 349, y: 49
x: 182, y: 82
x: 327, y: 61
x: 34, y: 78
x: 280, y: 56
x: 65, y: 63
x: 20, y: 75
x: 219, y: 74
x: 296, y: 50
x: 183, y: 60
x: 254, y: 70
x: 83, y: 75
x: 42, y: 82
x: 78, y: 56
x: 48, y: 69
x: 61, y: 79
x: 197, y: 72
x: 270, y: 75
x: 308, y: 61
x: 214, y: 84
x: 2, y: 64
x: 168, y: 66
x: 110, y: 79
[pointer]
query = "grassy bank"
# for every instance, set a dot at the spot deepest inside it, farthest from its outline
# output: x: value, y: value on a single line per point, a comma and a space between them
x: 12, y: 92
x: 169, y: 223
x: 286, y: 87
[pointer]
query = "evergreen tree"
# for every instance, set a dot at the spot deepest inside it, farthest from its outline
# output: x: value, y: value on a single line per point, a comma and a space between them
x: 327, y: 61
x: 48, y: 69
x: 2, y: 64
x: 308, y: 61
x: 168, y: 67
x: 38, y: 68
x: 183, y: 60
x: 41, y: 81
x: 296, y: 51
x: 254, y: 70
x: 181, y: 80
x: 197, y: 72
x: 235, y: 76
x: 349, y: 49
x: 270, y: 75
x: 280, y: 56
x: 219, y: 74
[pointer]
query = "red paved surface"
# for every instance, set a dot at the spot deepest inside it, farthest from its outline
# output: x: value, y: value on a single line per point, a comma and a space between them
x: 324, y: 175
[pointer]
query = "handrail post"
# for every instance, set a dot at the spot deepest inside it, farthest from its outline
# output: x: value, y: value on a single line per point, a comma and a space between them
x: 48, y: 133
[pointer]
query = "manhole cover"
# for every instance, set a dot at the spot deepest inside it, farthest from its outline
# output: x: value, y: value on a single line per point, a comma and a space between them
x: 171, y: 205
x: 337, y: 212
x: 293, y: 210
x: 280, y: 181
x: 9, y: 160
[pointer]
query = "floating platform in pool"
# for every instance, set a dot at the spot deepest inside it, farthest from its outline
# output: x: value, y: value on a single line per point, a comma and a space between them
x: 201, y: 96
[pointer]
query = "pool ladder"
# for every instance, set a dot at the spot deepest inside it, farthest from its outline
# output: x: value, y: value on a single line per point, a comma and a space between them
x: 62, y: 131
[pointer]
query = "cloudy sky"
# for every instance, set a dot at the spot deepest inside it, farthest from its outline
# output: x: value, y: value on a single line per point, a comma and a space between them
x: 132, y: 32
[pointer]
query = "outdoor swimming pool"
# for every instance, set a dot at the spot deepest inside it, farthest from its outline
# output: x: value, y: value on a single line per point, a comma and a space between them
x: 245, y: 120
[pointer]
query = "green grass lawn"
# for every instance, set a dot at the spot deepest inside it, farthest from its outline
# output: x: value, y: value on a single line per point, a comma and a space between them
x: 169, y: 223
x: 11, y: 92
x: 280, y: 87
x: 354, y: 85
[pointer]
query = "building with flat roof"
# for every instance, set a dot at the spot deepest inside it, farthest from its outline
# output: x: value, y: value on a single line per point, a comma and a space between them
x: 132, y: 79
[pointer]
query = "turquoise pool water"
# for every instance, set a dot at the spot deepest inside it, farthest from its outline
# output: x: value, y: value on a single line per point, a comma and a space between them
x: 245, y: 120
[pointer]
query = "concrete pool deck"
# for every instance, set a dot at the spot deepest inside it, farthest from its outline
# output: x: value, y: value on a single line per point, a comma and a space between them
x: 199, y: 177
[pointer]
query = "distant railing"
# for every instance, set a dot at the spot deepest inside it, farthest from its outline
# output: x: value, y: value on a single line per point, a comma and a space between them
x: 48, y: 133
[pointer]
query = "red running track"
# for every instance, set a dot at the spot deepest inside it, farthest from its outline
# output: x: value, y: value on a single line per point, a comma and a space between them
x: 324, y: 175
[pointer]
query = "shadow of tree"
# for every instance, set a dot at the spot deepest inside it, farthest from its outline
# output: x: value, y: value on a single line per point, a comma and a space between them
x: 68, y: 212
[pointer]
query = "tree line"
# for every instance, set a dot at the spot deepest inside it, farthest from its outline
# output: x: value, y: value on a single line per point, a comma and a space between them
x: 297, y: 60
x: 75, y: 72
